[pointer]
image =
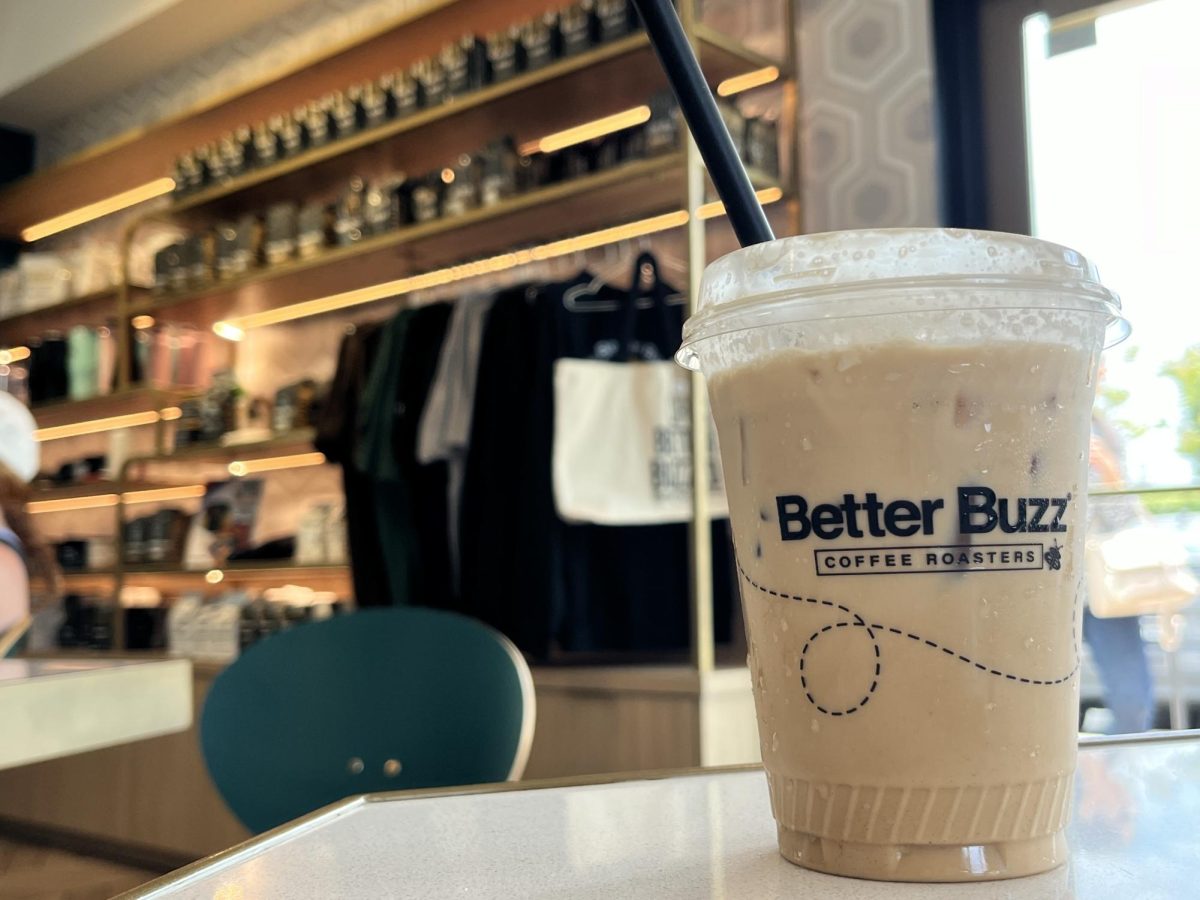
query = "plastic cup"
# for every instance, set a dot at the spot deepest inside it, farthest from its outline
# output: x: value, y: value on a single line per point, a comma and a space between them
x: 903, y: 419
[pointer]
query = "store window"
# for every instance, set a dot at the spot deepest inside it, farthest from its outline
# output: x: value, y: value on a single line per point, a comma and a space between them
x: 1090, y: 135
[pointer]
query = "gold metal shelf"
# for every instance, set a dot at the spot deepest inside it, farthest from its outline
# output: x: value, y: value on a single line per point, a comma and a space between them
x: 267, y: 573
x: 265, y: 568
x: 292, y: 442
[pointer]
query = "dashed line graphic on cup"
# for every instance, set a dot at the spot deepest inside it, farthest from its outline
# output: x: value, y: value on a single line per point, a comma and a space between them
x: 872, y: 630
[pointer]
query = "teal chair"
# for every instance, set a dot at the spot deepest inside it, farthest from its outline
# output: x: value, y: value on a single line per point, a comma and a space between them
x: 378, y: 700
x: 12, y: 640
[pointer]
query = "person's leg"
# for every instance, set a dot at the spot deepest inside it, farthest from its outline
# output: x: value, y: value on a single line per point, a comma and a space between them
x: 1120, y: 658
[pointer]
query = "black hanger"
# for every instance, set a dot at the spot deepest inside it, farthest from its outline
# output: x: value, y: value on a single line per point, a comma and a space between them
x: 646, y: 282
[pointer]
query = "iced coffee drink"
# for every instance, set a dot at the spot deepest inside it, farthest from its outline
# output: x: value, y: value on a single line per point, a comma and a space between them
x: 903, y: 420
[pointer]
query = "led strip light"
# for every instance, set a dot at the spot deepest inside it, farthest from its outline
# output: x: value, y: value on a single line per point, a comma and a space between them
x: 238, y: 468
x: 107, y: 206
x: 587, y: 131
x: 748, y: 81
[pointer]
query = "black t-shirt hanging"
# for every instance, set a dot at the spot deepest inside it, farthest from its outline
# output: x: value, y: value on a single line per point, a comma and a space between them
x: 509, y: 534
x: 626, y: 587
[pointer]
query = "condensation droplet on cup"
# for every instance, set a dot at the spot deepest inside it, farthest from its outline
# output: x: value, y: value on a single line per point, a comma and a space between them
x: 783, y: 625
x: 987, y: 426
x: 1030, y: 643
x: 774, y: 741
x: 990, y: 707
x: 805, y: 444
x: 816, y: 726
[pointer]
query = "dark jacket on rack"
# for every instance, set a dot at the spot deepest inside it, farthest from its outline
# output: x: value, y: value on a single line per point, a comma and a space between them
x: 545, y: 583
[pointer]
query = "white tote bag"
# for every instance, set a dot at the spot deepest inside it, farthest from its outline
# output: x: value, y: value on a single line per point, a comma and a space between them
x: 622, y: 444
x: 1140, y: 570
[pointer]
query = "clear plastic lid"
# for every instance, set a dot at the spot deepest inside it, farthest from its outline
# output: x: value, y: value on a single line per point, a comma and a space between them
x: 888, y: 271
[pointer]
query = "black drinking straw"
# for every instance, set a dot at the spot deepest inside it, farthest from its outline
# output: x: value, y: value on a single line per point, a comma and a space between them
x: 704, y: 121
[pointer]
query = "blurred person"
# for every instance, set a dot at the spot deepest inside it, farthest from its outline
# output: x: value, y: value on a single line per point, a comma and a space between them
x: 1116, y: 644
x: 22, y: 551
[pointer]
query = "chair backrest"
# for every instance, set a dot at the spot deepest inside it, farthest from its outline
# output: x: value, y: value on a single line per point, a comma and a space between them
x: 12, y: 640
x: 378, y: 700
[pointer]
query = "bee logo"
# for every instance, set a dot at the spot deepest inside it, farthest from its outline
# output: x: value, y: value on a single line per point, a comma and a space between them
x: 1054, y: 557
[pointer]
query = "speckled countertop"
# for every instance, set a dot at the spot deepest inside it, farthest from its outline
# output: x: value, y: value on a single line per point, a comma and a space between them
x: 1135, y: 836
x: 53, y: 708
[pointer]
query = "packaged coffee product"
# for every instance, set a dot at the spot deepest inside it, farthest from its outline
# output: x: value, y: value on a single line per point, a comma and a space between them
x: 313, y: 227
x: 266, y: 145
x: 348, y: 213
x: 430, y: 81
x: 464, y: 64
x: 461, y: 191
x: 167, y: 262
x: 237, y: 245
x: 165, y: 533
x: 346, y: 111
x: 187, y: 174
x: 762, y: 145
x: 425, y: 197
x: 291, y: 138
x: 606, y: 152
x: 279, y: 238
x: 662, y: 131
x: 197, y: 258
x: 533, y: 171
x: 134, y: 534
x: 374, y: 104
x: 293, y: 407
x: 317, y: 121
x: 538, y: 43
x: 188, y: 425
x: 401, y: 90
x: 235, y: 150
x: 501, y: 49
x: 614, y: 19
x: 575, y: 160
x: 575, y: 28
x: 497, y: 171
x: 199, y: 176
x: 381, y: 206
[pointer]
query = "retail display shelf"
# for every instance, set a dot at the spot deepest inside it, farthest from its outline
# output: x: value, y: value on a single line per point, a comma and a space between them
x: 272, y: 573
x: 627, y: 193
x: 298, y: 441
x: 249, y: 569
x: 92, y: 413
x: 94, y: 308
x: 534, y: 104
x: 642, y: 185
x: 92, y: 489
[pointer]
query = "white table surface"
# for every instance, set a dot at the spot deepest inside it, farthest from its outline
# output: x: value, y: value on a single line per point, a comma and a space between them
x: 1135, y: 836
x: 53, y: 708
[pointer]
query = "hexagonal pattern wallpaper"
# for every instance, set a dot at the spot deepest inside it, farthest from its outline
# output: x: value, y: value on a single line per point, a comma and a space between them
x: 869, y: 155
